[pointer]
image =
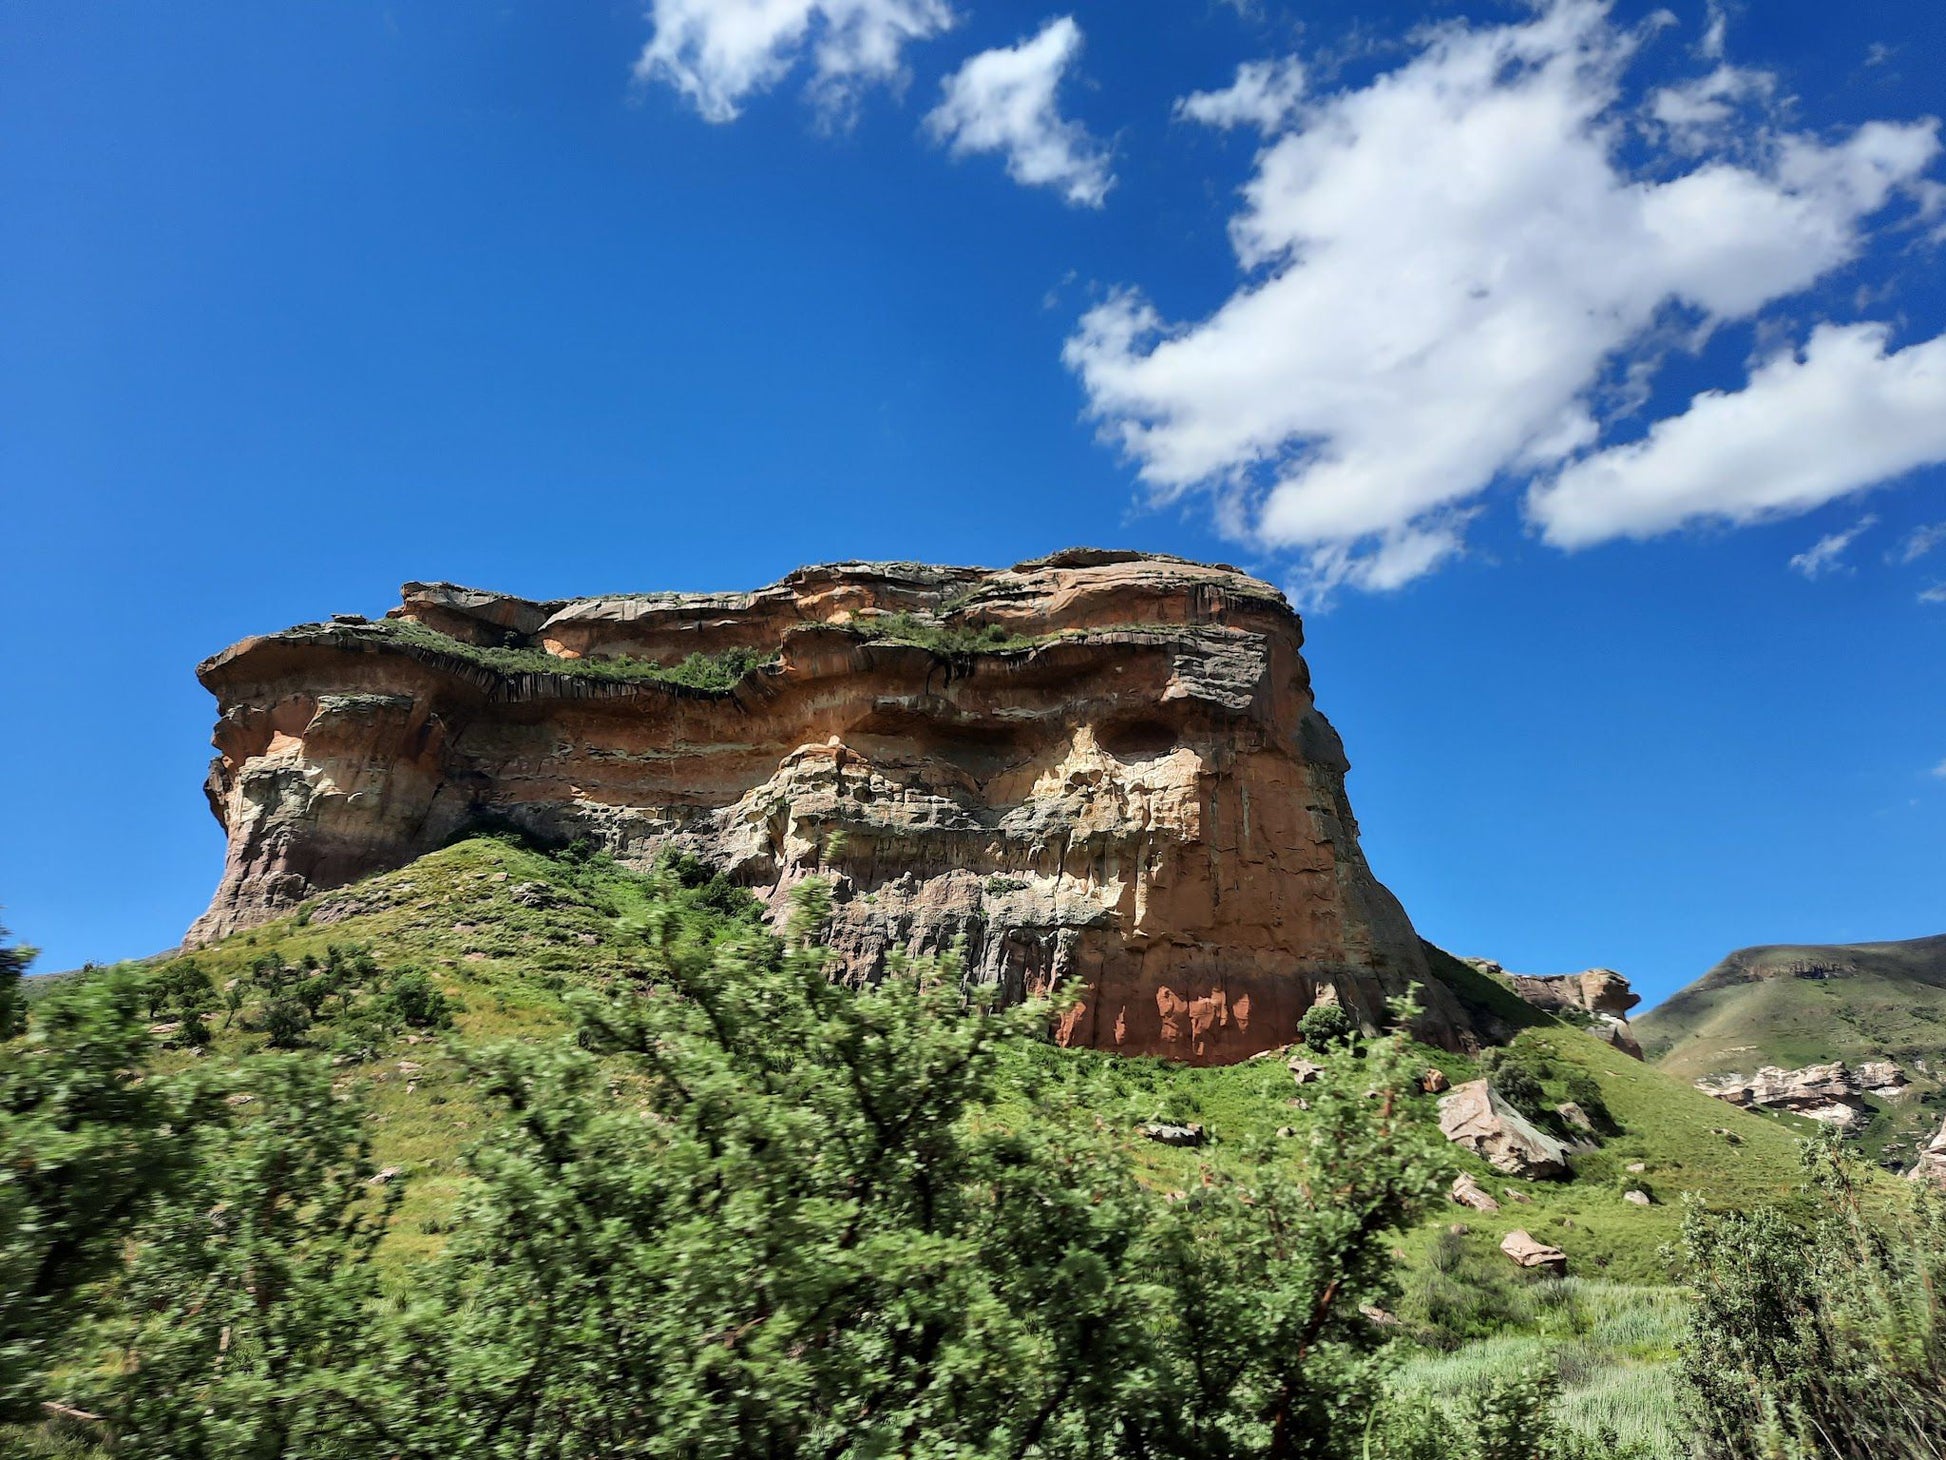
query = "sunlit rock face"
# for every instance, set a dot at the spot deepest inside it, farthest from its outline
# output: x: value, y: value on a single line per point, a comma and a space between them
x: 1097, y: 772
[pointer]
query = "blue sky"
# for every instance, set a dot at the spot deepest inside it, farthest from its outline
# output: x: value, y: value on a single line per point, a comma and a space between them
x: 1580, y: 370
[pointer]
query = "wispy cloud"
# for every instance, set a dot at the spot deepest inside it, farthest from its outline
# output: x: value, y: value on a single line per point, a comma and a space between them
x: 1827, y: 554
x: 1920, y: 541
x: 719, y: 53
x: 1264, y: 95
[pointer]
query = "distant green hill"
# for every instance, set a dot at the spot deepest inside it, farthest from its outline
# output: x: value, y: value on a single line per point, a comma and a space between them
x: 1792, y: 1005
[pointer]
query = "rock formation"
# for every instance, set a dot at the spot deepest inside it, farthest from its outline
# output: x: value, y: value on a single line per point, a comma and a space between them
x: 1931, y: 1165
x: 1099, y: 771
x: 1476, y: 1118
x: 1833, y: 1093
x: 1529, y: 1251
x: 1598, y: 998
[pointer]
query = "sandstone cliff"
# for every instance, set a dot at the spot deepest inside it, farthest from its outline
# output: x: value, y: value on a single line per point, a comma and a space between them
x: 1099, y: 770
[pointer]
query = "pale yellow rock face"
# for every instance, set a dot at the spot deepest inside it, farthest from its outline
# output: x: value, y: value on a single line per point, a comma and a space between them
x: 1139, y: 803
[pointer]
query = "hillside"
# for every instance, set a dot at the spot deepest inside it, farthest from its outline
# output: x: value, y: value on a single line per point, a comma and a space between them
x: 404, y: 982
x: 507, y: 934
x: 1790, y: 1006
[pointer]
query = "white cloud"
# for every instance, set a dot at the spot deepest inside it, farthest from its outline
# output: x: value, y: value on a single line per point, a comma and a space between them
x: 1934, y: 594
x: 1698, y: 113
x: 718, y: 53
x: 1827, y: 554
x: 1920, y: 541
x: 1003, y: 101
x: 1806, y: 430
x: 1264, y: 95
x: 1447, y: 270
x: 1715, y: 32
x: 1940, y: 769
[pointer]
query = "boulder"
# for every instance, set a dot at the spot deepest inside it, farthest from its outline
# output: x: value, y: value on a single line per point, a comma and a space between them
x: 1163, y: 1133
x: 1304, y: 1071
x: 1638, y: 1198
x: 1525, y: 1250
x: 1575, y: 1116
x: 1474, y: 1117
x: 1467, y: 1192
x: 1931, y: 1165
x: 1598, y: 998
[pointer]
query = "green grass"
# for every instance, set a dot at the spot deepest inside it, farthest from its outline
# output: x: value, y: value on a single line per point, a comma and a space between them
x: 464, y: 915
x: 717, y: 672
x: 1611, y: 1348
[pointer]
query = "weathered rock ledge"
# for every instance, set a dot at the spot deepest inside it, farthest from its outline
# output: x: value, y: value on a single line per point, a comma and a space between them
x: 1097, y: 770
x: 1597, y: 998
x: 1833, y: 1093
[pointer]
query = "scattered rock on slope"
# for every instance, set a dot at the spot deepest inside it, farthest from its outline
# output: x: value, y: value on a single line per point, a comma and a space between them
x: 1528, y: 1251
x: 1599, y: 996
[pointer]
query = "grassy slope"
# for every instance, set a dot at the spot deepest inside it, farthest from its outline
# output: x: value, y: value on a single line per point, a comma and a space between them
x: 1880, y: 1001
x: 460, y: 914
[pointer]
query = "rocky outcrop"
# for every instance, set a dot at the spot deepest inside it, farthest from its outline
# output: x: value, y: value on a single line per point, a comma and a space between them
x: 1833, y: 1093
x: 1099, y: 771
x: 1931, y: 1165
x: 1474, y: 1117
x: 1598, y: 999
x: 1529, y: 1251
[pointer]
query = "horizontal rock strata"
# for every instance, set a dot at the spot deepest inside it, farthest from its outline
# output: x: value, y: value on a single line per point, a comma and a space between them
x: 1833, y: 1093
x: 1097, y: 771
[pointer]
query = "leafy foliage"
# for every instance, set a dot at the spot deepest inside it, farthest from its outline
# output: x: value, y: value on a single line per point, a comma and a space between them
x: 1326, y: 1026
x: 87, y: 1144
x: 245, y: 1323
x: 801, y: 1236
x: 1819, y: 1339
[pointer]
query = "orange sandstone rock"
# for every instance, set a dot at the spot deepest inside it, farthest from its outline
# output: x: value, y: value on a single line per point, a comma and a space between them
x: 1133, y: 795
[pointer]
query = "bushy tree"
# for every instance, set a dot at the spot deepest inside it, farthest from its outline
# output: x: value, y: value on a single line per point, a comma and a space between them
x: 1818, y: 1337
x: 249, y: 1319
x: 15, y: 960
x: 781, y: 1217
x: 87, y: 1144
x: 1326, y: 1026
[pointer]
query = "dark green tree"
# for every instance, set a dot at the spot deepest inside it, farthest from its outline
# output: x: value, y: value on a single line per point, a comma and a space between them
x: 249, y: 1319
x: 760, y: 1214
x: 87, y: 1144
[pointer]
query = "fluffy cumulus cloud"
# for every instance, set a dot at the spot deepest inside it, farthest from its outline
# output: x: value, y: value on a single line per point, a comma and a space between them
x: 1264, y: 95
x: 1808, y: 428
x: 718, y: 53
x: 1827, y: 554
x: 1004, y: 101
x: 1461, y: 273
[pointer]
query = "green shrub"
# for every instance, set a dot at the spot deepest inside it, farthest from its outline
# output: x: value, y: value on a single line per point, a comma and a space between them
x: 1326, y: 1026
x: 418, y: 1001
x: 1818, y: 1339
